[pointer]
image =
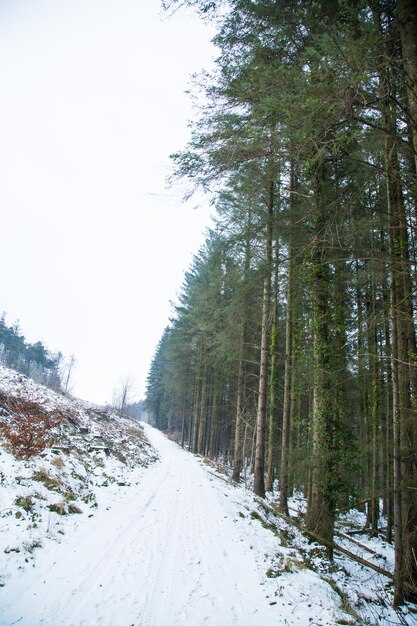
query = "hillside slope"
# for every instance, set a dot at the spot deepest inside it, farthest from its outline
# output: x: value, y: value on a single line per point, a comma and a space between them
x: 91, y: 456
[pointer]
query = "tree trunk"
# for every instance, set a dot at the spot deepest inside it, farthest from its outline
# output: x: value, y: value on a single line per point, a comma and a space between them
x: 321, y: 512
x: 272, y: 408
x: 287, y: 401
x: 373, y: 511
x: 273, y: 382
x: 404, y: 375
x: 405, y: 470
x: 407, y: 22
x: 238, y: 452
x: 259, y: 469
x: 241, y: 378
x: 202, y: 414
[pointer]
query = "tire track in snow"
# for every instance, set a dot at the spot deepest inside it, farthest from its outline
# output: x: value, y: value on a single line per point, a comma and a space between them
x: 168, y: 554
x: 107, y: 558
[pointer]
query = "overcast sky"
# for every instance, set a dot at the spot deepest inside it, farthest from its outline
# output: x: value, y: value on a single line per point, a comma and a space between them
x: 92, y: 245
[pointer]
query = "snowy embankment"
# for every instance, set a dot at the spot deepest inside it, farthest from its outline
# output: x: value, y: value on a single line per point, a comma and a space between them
x: 167, y: 543
x: 91, y: 456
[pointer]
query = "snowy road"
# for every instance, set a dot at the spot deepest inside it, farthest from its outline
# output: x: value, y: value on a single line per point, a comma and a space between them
x: 170, y: 552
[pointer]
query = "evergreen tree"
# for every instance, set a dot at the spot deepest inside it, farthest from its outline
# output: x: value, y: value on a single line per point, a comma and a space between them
x: 307, y: 140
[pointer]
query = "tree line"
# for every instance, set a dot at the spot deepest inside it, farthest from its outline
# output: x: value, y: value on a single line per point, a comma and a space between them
x: 32, y: 359
x: 292, y: 351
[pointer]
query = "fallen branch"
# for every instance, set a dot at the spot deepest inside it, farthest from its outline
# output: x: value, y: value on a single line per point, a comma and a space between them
x: 226, y: 480
x: 334, y: 546
x: 357, y: 543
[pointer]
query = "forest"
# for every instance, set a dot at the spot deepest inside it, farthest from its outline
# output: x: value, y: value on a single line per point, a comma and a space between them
x: 32, y: 359
x: 291, y: 353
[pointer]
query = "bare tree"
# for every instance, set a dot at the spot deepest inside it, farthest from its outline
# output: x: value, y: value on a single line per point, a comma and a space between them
x: 123, y: 394
x: 69, y: 368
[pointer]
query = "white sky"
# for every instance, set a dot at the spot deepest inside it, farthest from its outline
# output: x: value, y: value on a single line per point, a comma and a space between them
x: 92, y: 244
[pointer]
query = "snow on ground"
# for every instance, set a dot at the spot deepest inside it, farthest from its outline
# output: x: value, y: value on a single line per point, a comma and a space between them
x: 181, y: 547
x: 136, y: 541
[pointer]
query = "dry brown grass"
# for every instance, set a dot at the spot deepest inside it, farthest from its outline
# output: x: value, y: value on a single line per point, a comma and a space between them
x: 51, y: 482
x: 58, y: 462
x: 135, y: 432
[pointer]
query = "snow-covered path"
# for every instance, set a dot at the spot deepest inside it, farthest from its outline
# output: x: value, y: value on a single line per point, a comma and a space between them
x: 171, y: 552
